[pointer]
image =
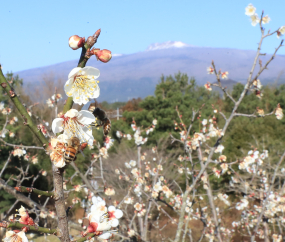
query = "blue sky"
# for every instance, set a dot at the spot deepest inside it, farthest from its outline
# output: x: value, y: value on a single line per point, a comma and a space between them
x: 36, y: 33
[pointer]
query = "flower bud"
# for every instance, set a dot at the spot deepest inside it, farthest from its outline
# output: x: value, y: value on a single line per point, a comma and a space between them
x: 103, y: 55
x: 76, y: 42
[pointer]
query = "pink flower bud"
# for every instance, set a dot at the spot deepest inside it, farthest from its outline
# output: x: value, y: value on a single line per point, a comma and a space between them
x: 103, y: 55
x: 76, y: 42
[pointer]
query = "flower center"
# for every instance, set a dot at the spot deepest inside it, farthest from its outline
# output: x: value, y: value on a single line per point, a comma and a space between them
x: 84, y: 84
x: 111, y: 214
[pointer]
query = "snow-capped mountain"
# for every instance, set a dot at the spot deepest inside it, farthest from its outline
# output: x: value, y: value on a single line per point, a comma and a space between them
x: 167, y: 45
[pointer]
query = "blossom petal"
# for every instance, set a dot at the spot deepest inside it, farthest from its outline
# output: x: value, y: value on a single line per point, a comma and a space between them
x: 23, y: 236
x: 62, y: 138
x: 105, y: 235
x: 74, y: 72
x: 114, y: 222
x: 60, y: 163
x: 96, y: 92
x: 57, y: 125
x: 111, y: 209
x: 86, y: 117
x: 92, y: 71
x: 71, y: 113
x: 68, y: 87
x: 118, y: 213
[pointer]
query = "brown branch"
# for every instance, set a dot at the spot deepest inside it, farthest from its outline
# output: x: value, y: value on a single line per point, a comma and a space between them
x: 60, y: 204
x: 5, y: 165
x: 220, y: 84
x: 21, y: 146
x: 85, y: 180
x: 20, y: 196
x: 253, y: 115
x: 34, y: 228
x: 34, y: 190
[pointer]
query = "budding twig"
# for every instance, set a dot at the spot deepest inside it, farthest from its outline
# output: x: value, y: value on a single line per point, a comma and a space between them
x: 34, y: 190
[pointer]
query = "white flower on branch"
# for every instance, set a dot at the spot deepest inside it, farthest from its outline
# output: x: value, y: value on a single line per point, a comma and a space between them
x: 129, y: 137
x: 138, y: 206
x: 279, y: 112
x: 281, y: 31
x: 224, y: 197
x: 208, y: 86
x: 224, y: 75
x: 19, y: 152
x: 82, y: 84
x: 129, y: 200
x: 254, y: 19
x: 12, y: 236
x: 119, y: 134
x: 56, y: 97
x: 250, y: 10
x: 109, y: 191
x: 108, y: 142
x: 154, y: 122
x: 114, y: 215
x: 103, y: 152
x: 75, y: 123
x: 7, y: 111
x: 266, y: 19
x: 219, y: 149
x: 210, y: 70
x: 50, y: 103
x: 157, y: 187
x: 242, y: 204
x: 277, y: 238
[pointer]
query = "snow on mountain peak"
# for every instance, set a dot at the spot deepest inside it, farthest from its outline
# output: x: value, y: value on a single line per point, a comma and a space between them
x: 167, y: 45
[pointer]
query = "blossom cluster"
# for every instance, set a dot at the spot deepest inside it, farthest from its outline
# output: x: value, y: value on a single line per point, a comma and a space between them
x: 139, y: 140
x: 102, y: 218
x: 53, y: 99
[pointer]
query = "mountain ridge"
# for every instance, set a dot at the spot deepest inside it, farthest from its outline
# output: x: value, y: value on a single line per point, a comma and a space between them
x: 136, y: 75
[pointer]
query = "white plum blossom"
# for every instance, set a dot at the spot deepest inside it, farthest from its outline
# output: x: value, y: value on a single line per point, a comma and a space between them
x: 19, y: 152
x: 108, y: 142
x: 250, y: 10
x: 204, y: 122
x: 114, y: 215
x: 279, y: 112
x: 254, y: 19
x: 224, y: 75
x: 266, y: 19
x: 50, y: 103
x: 210, y: 70
x: 119, y: 134
x: 129, y: 200
x: 157, y: 187
x: 219, y: 149
x: 139, y: 140
x: 12, y: 236
x: 82, y: 84
x: 97, y: 215
x: 75, y: 123
x: 133, y: 163
x: 242, y: 204
x: 281, y: 31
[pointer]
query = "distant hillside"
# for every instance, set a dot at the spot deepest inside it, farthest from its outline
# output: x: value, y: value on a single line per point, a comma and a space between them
x: 136, y: 75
